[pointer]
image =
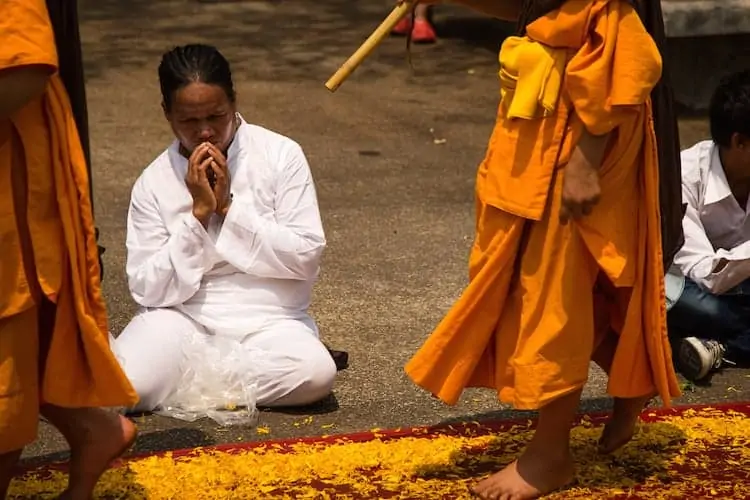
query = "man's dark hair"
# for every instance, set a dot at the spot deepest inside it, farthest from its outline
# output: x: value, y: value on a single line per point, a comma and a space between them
x: 729, y: 111
x: 190, y: 64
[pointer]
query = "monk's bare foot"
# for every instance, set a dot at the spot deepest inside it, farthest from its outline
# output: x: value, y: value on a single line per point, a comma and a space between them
x: 107, y: 436
x: 621, y: 426
x: 534, y: 474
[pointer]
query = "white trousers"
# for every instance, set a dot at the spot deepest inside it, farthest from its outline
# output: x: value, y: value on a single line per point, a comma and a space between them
x: 294, y: 367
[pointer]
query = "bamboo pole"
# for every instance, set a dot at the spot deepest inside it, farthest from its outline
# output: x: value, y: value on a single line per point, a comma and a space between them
x: 364, y: 50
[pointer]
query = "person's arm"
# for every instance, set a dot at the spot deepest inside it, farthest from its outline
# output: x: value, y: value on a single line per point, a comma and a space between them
x: 290, y: 245
x: 591, y: 148
x: 28, y: 56
x: 20, y: 85
x: 610, y: 78
x: 163, y: 269
x: 715, y: 270
x: 581, y: 189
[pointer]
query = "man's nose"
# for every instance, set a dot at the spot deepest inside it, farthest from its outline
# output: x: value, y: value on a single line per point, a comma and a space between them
x: 206, y: 133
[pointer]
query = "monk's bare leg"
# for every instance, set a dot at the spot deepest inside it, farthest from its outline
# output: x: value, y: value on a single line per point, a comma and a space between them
x: 96, y: 437
x: 620, y: 428
x: 8, y: 462
x: 546, y: 464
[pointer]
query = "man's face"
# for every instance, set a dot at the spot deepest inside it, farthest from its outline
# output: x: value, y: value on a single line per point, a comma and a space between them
x: 202, y: 113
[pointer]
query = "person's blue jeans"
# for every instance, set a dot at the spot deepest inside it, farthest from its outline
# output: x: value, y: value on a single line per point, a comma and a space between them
x: 725, y: 318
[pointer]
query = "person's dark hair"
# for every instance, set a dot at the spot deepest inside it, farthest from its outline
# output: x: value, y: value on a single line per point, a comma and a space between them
x: 193, y: 63
x: 729, y: 111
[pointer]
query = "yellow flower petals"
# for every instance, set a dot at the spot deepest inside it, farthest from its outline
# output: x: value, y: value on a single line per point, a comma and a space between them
x: 698, y: 454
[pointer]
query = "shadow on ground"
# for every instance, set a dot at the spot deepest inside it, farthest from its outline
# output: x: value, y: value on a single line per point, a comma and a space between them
x: 178, y: 437
x: 589, y: 405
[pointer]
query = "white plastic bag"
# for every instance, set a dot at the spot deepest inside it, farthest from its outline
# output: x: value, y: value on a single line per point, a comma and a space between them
x: 218, y: 382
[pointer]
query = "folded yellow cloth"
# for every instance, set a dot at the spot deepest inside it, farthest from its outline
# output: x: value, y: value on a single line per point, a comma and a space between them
x: 530, y: 77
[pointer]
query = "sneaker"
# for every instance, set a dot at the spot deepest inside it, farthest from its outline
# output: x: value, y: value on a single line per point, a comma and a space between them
x: 696, y: 358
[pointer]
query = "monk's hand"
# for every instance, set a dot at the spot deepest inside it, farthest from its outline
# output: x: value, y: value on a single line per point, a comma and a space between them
x: 204, y: 200
x: 221, y: 174
x: 580, y: 190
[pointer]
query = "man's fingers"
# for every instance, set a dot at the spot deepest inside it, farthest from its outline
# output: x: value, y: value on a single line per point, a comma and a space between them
x: 198, y: 153
x: 577, y: 209
x: 214, y: 151
x: 220, y: 172
x: 574, y: 211
x: 195, y: 161
x: 217, y: 155
x: 204, y: 165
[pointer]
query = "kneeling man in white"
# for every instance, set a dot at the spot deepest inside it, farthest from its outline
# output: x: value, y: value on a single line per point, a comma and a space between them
x: 224, y: 238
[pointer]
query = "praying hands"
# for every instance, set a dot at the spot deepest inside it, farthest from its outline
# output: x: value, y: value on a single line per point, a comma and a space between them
x: 208, y: 182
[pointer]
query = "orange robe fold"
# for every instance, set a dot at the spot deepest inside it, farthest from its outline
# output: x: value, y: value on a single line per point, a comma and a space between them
x: 46, y: 229
x: 543, y: 297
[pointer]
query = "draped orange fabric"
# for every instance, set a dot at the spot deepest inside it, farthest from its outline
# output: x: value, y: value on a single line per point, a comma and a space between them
x: 46, y: 225
x: 542, y: 297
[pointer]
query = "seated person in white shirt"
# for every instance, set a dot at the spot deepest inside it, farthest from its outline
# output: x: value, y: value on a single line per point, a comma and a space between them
x: 711, y: 315
x: 224, y: 237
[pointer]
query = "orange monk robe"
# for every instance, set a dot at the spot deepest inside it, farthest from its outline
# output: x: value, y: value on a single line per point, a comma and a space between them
x: 526, y: 324
x: 46, y: 225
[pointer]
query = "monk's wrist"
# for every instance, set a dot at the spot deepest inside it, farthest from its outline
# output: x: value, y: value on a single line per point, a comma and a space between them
x: 581, y: 164
x: 592, y: 148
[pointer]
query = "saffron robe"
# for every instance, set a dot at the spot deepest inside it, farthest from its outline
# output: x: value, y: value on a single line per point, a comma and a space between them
x: 543, y: 297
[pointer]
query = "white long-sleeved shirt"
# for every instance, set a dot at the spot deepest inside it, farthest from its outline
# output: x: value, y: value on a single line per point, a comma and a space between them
x: 716, y: 227
x: 259, y: 263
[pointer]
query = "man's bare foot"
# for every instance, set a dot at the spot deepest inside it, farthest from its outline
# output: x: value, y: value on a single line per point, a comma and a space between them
x: 534, y: 474
x: 108, y: 435
x: 621, y: 426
